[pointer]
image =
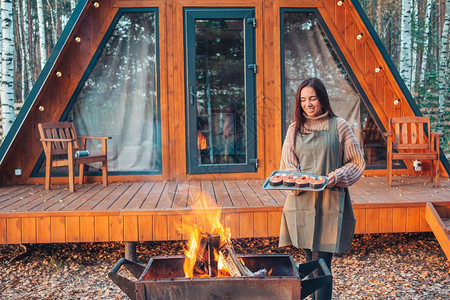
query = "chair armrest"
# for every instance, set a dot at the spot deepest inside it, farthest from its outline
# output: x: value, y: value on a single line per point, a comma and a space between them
x: 95, y: 137
x: 387, y: 134
x: 437, y: 133
x: 57, y: 140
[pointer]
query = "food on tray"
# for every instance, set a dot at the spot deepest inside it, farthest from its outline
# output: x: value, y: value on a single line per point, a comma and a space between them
x: 276, y: 179
x: 316, y: 183
x: 285, y: 180
x: 302, y: 181
x: 289, y: 180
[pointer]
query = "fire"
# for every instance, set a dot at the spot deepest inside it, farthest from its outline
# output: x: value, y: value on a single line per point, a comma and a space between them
x: 203, y: 225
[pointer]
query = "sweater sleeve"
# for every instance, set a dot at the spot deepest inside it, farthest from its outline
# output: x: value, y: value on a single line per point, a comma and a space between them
x: 289, y: 161
x: 353, y: 159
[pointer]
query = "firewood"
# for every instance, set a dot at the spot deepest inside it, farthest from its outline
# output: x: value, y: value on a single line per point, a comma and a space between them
x: 213, y: 247
x: 233, y: 264
x: 201, y: 266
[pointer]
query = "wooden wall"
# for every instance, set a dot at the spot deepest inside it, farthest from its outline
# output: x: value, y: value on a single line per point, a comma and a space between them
x: 101, y: 226
x: 343, y: 22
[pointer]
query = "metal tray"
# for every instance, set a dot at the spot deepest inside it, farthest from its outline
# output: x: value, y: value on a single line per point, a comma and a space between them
x: 267, y: 185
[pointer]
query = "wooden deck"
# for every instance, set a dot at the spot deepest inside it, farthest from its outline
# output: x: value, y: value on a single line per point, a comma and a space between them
x: 146, y: 211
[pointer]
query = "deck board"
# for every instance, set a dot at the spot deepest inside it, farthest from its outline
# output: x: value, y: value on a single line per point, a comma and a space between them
x: 264, y: 197
x: 222, y: 196
x: 74, y: 203
x: 208, y: 189
x: 236, y: 195
x: 153, y: 197
x: 109, y: 200
x: 90, y: 198
x: 153, y: 210
x: 140, y: 196
x: 126, y: 197
x: 167, y: 196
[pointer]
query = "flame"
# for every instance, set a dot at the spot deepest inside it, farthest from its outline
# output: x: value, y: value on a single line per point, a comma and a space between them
x: 204, y: 220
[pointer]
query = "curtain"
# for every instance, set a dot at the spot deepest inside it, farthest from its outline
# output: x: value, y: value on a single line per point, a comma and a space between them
x: 120, y: 97
x: 308, y: 53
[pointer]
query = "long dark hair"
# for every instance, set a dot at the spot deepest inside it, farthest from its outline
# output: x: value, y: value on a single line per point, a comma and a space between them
x: 322, y: 95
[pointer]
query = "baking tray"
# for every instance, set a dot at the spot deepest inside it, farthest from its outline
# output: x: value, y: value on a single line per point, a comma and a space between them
x: 267, y: 185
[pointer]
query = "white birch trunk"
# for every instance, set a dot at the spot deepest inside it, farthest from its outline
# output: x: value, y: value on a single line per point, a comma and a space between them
x: 7, y: 83
x: 52, y: 20
x: 405, y: 42
x: 415, y: 15
x: 42, y: 43
x: 427, y: 24
x: 21, y: 49
x: 26, y: 42
x: 444, y: 72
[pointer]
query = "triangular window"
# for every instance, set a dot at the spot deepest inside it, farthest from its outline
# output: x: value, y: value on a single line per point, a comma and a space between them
x: 307, y: 51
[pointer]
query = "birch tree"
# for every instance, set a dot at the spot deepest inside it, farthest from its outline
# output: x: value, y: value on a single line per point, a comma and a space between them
x: 444, y: 72
x: 21, y: 50
x: 405, y: 38
x: 7, y: 70
x: 26, y: 45
x: 427, y: 24
x: 41, y: 22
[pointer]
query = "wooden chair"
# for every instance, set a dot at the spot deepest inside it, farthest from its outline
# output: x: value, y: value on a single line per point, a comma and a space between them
x: 60, y: 142
x: 409, y: 139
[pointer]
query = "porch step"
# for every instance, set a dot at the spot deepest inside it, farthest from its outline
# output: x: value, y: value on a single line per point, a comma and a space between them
x: 437, y: 217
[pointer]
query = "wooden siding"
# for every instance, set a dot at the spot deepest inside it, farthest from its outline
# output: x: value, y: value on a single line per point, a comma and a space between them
x: 153, y: 211
x: 343, y: 21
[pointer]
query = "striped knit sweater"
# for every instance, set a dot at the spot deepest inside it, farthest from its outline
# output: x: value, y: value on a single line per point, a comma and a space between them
x: 353, y: 160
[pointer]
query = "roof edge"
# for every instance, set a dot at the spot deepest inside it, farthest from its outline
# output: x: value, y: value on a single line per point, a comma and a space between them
x: 42, y: 79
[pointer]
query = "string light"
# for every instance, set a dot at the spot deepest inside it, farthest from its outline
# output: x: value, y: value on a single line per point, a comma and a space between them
x: 396, y: 101
x: 41, y: 108
x: 77, y: 39
x: 58, y: 73
x: 359, y: 36
x: 378, y: 69
x: 340, y: 2
x: 96, y: 4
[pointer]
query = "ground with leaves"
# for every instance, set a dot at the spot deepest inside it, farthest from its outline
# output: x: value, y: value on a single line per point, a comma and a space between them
x: 378, y: 266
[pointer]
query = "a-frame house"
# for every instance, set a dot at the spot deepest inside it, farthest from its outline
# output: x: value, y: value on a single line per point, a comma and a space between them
x: 194, y: 90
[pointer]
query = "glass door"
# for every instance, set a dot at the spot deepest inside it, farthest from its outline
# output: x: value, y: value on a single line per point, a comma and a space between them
x: 220, y: 95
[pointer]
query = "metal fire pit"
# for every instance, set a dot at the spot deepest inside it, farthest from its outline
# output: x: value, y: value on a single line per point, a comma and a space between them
x: 163, y: 278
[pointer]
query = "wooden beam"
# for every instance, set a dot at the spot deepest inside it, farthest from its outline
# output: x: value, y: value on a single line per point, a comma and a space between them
x: 438, y: 228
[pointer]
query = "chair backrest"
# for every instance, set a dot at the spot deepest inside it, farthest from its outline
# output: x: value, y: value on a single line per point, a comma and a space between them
x: 58, y: 130
x: 409, y: 133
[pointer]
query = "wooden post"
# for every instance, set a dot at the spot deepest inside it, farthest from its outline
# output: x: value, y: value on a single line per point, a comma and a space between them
x: 130, y: 251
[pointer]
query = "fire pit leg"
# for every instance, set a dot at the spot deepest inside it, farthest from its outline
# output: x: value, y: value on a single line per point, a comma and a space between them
x: 126, y: 285
x: 130, y: 251
x: 311, y: 285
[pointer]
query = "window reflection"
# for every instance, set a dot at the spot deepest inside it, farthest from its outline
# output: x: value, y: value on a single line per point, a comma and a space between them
x: 220, y: 87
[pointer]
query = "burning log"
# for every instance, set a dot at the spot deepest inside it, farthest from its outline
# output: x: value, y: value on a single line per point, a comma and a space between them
x: 233, y: 264
x: 213, y: 246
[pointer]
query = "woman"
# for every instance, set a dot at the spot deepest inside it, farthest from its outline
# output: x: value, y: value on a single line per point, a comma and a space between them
x: 318, y: 142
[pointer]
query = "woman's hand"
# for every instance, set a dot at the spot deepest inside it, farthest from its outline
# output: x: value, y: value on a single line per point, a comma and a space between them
x: 331, y: 180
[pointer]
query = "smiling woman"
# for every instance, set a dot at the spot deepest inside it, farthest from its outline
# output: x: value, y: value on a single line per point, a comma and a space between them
x: 309, y: 102
x: 318, y: 142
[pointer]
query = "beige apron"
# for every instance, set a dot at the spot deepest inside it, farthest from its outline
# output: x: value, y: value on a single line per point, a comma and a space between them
x: 320, y: 221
